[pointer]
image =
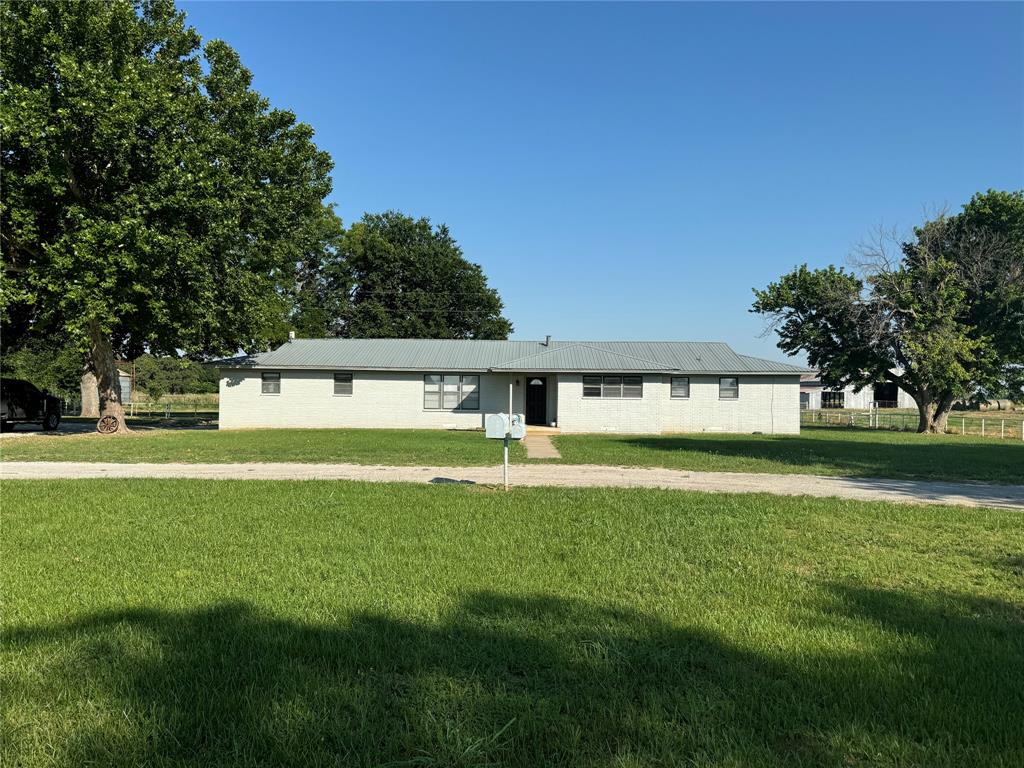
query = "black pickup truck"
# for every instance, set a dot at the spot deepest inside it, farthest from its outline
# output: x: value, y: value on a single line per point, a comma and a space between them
x: 22, y: 403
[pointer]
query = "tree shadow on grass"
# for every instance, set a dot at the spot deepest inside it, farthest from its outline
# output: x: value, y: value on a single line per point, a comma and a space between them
x: 525, y: 681
x: 947, y: 460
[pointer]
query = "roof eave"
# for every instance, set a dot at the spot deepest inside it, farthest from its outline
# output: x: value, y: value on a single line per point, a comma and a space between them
x: 463, y: 369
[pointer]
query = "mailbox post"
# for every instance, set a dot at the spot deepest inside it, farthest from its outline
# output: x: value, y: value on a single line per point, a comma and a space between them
x: 504, y: 463
x: 501, y: 425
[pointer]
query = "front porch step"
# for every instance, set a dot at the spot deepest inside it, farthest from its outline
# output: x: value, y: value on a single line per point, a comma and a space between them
x: 532, y: 429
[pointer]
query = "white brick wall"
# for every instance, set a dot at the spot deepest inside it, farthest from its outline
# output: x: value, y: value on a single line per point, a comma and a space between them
x: 769, y: 404
x: 379, y: 399
x: 393, y: 399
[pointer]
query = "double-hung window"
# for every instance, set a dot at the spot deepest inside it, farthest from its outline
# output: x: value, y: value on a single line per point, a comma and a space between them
x: 728, y: 388
x: 270, y: 383
x: 451, y: 392
x: 614, y: 386
x: 343, y: 384
x: 591, y: 386
x: 680, y: 387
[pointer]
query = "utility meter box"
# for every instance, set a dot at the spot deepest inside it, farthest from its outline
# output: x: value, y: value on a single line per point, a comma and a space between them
x: 518, y: 426
x: 496, y: 425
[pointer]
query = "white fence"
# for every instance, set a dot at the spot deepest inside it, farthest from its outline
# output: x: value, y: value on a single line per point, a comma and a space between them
x: 958, y: 423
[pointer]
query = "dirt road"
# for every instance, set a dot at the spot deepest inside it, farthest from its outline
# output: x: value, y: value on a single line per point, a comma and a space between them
x: 863, y: 489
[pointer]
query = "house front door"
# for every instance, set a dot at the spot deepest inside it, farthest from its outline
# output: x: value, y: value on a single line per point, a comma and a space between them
x: 536, y: 400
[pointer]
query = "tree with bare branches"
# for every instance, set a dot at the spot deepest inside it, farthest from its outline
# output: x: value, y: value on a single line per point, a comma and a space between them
x: 940, y: 314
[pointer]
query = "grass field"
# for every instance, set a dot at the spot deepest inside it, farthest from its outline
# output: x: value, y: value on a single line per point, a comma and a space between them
x: 358, y: 446
x: 252, y: 623
x: 816, y: 450
x: 824, y: 451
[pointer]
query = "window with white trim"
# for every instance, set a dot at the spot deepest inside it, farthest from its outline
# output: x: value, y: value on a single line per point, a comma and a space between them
x: 728, y: 388
x: 270, y: 383
x: 343, y: 384
x: 614, y: 386
x: 451, y: 392
x: 680, y: 387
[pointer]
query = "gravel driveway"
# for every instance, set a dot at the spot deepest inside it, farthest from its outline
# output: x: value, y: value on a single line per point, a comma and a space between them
x: 862, y: 489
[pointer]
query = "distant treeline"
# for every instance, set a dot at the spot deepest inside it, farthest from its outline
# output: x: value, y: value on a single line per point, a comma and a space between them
x: 58, y: 368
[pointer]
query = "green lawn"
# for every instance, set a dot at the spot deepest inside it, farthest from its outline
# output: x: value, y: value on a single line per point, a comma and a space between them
x: 358, y: 446
x: 816, y: 450
x: 824, y: 451
x: 313, y: 623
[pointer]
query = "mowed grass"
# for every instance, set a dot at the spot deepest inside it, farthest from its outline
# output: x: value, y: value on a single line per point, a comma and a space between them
x: 822, y: 451
x: 316, y: 623
x: 357, y: 446
x: 839, y: 451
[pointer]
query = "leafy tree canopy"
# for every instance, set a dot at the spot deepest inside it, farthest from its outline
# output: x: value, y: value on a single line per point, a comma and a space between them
x: 152, y: 200
x: 394, y: 276
x: 46, y: 363
x: 172, y: 375
x: 941, y: 315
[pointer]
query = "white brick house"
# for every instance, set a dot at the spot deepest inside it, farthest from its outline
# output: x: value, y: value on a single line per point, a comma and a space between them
x: 576, y: 386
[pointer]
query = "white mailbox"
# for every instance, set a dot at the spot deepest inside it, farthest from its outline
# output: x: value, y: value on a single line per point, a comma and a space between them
x: 518, y: 426
x: 496, y: 425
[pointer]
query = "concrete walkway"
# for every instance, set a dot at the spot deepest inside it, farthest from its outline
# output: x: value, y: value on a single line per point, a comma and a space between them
x: 862, y: 489
x: 540, y: 447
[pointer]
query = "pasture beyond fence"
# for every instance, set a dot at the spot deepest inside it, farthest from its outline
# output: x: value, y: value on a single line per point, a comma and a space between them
x: 1006, y: 426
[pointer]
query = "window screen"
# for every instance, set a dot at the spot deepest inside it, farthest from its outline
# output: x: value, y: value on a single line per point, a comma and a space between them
x: 432, y: 391
x: 613, y: 386
x: 343, y: 383
x: 680, y: 386
x: 470, y: 393
x: 271, y: 383
x: 451, y: 392
x: 728, y: 388
x: 633, y: 386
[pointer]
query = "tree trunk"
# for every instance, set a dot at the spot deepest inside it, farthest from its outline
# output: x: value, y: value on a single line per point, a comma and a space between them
x: 101, y: 360
x: 90, y: 395
x: 932, y: 412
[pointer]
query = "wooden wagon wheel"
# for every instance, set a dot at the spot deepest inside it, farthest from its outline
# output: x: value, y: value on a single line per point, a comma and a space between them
x: 107, y: 425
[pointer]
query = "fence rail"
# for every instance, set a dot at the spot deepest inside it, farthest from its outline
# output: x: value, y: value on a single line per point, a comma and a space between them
x: 151, y: 410
x: 1003, y: 427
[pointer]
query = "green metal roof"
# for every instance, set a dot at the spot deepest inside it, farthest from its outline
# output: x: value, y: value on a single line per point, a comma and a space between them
x: 470, y: 355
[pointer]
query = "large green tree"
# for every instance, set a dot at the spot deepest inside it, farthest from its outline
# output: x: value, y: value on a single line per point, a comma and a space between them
x: 941, y: 315
x: 394, y: 276
x: 46, y: 363
x: 152, y: 200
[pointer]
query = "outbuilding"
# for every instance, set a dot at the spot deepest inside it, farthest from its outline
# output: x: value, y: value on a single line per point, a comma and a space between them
x: 571, y: 386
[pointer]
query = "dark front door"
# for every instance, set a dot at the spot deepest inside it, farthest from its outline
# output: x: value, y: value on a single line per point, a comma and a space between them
x: 536, y: 400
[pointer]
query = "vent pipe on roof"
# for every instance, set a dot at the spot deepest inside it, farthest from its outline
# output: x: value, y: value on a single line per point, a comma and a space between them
x: 547, y: 340
x: 291, y: 335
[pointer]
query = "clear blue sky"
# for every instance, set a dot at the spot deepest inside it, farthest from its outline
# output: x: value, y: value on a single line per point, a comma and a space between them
x: 631, y: 171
